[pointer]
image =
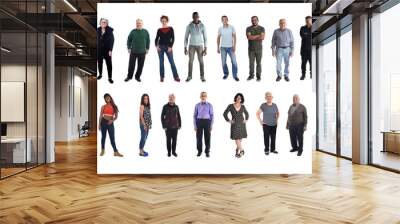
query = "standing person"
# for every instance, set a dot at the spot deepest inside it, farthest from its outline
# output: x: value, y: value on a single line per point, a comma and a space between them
x: 297, y: 124
x: 269, y: 122
x: 145, y: 122
x: 306, y: 45
x: 198, y: 38
x: 164, y: 41
x: 138, y: 46
x: 226, y: 44
x: 282, y: 48
x: 105, y: 44
x: 171, y: 122
x: 255, y: 34
x: 203, y: 119
x: 108, y: 114
x: 239, y: 117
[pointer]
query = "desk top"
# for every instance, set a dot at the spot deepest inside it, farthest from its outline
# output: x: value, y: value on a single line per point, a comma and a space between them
x: 13, y: 140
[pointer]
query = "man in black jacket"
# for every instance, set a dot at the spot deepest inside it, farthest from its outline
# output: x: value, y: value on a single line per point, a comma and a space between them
x: 306, y: 43
x: 171, y: 122
x: 105, y: 43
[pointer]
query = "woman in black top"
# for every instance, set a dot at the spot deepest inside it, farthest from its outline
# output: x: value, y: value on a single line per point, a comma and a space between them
x: 239, y: 117
x: 164, y: 42
x: 171, y: 122
x: 105, y: 43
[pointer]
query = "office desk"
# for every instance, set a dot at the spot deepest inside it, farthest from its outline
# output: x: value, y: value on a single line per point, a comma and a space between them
x: 13, y: 150
x: 391, y: 141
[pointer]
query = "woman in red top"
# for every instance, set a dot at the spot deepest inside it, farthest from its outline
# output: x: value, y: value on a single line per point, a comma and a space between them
x: 108, y: 114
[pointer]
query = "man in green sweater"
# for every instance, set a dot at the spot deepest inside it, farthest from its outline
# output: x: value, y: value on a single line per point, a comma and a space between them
x: 138, y: 45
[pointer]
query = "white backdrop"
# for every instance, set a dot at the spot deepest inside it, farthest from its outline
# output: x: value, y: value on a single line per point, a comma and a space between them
x: 220, y: 92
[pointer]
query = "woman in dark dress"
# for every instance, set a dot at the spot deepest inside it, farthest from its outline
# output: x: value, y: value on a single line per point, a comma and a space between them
x: 239, y: 117
x: 105, y: 44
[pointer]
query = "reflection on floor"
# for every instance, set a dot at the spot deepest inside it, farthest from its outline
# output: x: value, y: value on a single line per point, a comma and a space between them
x: 387, y: 159
x: 70, y: 191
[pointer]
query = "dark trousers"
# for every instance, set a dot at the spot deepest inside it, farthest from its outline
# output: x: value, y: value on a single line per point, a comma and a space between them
x: 203, y: 126
x: 305, y: 57
x: 171, y: 134
x: 296, y: 136
x: 104, y: 56
x: 132, y: 63
x: 105, y: 127
x: 269, y: 134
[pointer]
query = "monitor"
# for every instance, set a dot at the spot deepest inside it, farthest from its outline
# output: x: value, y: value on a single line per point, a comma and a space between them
x: 3, y: 129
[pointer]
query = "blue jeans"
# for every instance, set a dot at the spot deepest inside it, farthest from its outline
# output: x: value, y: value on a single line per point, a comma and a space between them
x: 143, y: 136
x: 164, y: 50
x: 105, y: 127
x: 282, y: 53
x: 229, y: 51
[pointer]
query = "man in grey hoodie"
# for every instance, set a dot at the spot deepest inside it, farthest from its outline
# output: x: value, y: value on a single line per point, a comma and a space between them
x: 197, y: 44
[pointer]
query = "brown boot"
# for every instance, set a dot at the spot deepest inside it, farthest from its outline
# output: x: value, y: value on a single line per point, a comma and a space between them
x: 102, y: 152
x: 118, y: 154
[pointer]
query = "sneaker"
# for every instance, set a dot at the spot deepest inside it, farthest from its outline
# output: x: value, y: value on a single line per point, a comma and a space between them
x: 274, y: 151
x: 250, y: 78
x: 99, y: 77
x: 118, y: 154
x: 127, y: 79
x: 110, y: 81
x: 102, y: 152
x: 144, y: 154
x: 188, y: 78
x: 287, y: 79
x: 278, y: 78
x: 266, y: 153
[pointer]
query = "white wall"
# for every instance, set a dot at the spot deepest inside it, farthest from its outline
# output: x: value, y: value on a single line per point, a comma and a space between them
x: 70, y: 83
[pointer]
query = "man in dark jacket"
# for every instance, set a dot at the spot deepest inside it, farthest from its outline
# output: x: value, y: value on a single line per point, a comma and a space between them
x: 306, y: 44
x: 297, y: 124
x: 171, y: 122
x: 105, y: 43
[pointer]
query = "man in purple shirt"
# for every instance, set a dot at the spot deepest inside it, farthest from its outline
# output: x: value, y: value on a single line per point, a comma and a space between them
x: 203, y: 119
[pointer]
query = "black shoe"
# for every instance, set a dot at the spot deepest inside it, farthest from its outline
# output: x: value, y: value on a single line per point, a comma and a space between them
x: 202, y: 79
x: 99, y: 77
x: 236, y: 79
x: 278, y: 78
x: 174, y: 154
x: 111, y: 81
x: 225, y: 77
x: 127, y: 79
x: 198, y: 154
x: 161, y: 79
x: 299, y: 152
x: 138, y: 79
x: 258, y: 79
x: 207, y: 155
x: 250, y: 78
x: 302, y: 77
x: 274, y: 151
x: 287, y: 79
x: 188, y: 78
x: 266, y: 153
x: 294, y: 150
x: 169, y: 154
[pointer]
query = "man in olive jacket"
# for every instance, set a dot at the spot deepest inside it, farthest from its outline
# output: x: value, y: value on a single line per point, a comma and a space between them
x: 138, y: 46
x: 297, y: 124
